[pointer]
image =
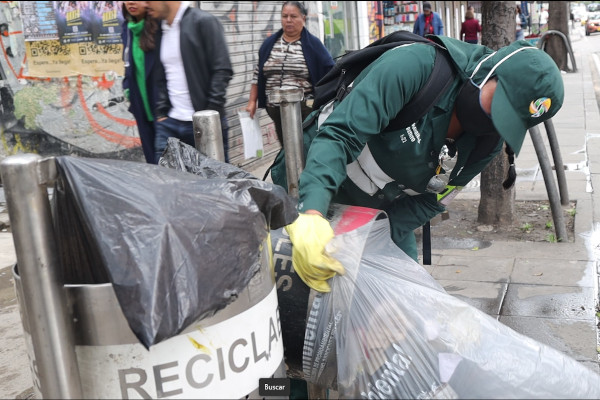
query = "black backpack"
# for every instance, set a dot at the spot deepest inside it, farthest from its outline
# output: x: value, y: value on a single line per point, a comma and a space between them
x: 335, y: 85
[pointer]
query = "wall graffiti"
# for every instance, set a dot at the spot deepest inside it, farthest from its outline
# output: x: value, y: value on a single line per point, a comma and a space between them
x: 79, y: 115
x: 87, y: 116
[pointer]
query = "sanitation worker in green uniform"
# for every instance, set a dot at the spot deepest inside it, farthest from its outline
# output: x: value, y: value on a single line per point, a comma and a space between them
x: 413, y: 172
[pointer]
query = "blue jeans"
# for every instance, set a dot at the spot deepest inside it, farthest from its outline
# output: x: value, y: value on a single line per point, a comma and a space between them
x: 170, y: 127
x: 184, y: 131
x: 520, y: 35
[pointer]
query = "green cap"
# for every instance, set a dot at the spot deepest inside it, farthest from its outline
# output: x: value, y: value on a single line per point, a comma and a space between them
x: 529, y: 91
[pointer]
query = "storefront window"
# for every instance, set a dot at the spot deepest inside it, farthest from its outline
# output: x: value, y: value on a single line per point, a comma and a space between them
x: 399, y: 15
x: 339, y: 27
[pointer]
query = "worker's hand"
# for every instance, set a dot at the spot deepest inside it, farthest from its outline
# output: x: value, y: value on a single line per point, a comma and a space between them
x: 309, y: 234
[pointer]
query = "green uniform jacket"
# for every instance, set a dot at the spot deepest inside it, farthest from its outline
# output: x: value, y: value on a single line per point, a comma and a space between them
x: 409, y: 156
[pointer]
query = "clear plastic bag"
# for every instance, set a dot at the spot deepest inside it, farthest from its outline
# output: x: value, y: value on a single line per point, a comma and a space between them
x: 387, y: 329
x: 253, y: 141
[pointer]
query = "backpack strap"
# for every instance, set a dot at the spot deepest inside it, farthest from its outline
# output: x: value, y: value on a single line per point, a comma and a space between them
x: 439, y: 81
x: 427, y: 243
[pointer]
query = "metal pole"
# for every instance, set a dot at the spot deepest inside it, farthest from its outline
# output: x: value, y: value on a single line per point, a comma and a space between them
x: 25, y: 178
x: 558, y: 162
x: 208, y: 137
x: 291, y: 126
x: 542, y: 44
x: 557, y: 213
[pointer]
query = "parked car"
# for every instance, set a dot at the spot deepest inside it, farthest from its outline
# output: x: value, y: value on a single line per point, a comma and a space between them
x: 593, y: 7
x: 593, y: 23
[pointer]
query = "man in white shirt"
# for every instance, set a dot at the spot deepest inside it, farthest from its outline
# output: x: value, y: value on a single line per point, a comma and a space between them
x: 195, y: 72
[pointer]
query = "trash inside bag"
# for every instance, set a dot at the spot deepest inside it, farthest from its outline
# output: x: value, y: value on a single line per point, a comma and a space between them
x: 176, y: 247
x: 388, y: 330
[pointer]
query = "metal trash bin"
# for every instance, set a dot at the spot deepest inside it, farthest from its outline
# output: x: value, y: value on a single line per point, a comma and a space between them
x: 218, y: 357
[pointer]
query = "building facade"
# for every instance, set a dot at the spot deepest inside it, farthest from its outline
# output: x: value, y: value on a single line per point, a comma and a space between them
x: 59, y: 98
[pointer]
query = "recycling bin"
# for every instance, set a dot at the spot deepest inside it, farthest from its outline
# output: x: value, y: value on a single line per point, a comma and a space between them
x: 223, y: 356
x: 80, y: 344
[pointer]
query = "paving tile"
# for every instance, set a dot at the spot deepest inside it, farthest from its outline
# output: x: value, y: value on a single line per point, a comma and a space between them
x: 434, y: 260
x: 583, y: 215
x: 7, y: 250
x: 593, y: 365
x: 485, y: 296
x: 543, y: 250
x: 553, y: 272
x: 549, y: 301
x: 576, y: 338
x: 576, y: 187
x: 438, y: 242
x: 484, y: 269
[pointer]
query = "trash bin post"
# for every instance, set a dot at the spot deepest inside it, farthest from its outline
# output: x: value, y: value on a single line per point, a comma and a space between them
x: 208, y: 137
x: 25, y: 178
x: 291, y: 125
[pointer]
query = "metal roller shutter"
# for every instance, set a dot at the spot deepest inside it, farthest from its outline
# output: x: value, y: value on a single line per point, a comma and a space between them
x: 246, y: 24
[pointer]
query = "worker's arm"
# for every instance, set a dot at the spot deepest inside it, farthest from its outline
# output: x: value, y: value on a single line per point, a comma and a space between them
x: 379, y: 93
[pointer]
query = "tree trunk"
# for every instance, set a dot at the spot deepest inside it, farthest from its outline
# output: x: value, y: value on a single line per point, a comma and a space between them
x: 558, y: 20
x: 497, y: 206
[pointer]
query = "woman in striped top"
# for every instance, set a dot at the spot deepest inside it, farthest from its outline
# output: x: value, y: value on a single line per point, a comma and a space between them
x: 292, y: 57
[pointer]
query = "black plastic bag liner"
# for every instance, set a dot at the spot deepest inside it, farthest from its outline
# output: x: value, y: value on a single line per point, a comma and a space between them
x: 176, y: 247
x: 183, y: 157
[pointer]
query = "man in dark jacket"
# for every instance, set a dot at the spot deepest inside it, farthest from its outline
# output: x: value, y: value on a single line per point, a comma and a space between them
x: 195, y: 72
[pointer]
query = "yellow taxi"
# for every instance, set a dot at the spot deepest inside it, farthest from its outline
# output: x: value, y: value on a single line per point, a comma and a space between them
x: 593, y: 23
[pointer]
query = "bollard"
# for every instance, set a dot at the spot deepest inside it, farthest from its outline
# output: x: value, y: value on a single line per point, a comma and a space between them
x: 25, y: 178
x: 291, y: 125
x: 553, y: 196
x: 208, y: 136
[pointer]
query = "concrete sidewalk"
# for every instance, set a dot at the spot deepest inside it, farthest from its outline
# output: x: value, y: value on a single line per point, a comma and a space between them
x: 547, y: 291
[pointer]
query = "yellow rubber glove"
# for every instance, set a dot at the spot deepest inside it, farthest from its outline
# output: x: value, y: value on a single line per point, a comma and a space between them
x: 309, y: 234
